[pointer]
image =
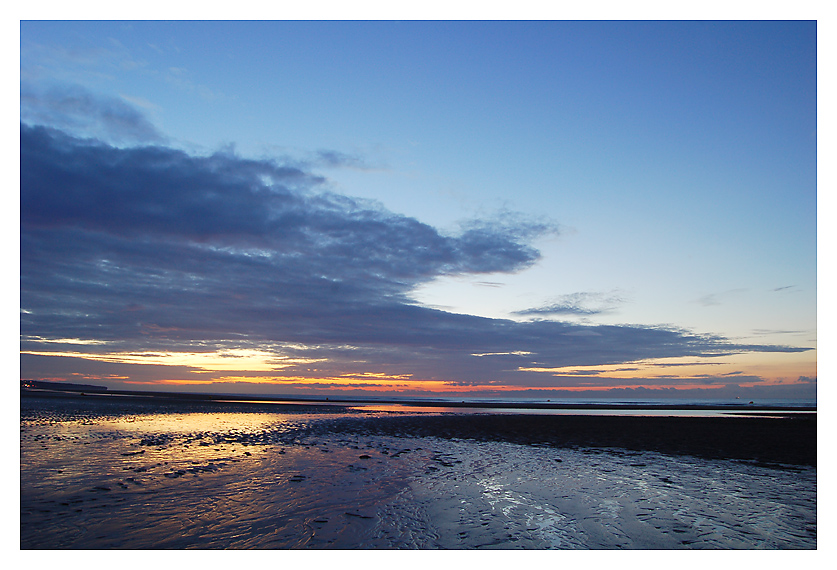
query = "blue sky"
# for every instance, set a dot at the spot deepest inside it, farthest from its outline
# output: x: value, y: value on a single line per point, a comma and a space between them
x: 475, y: 188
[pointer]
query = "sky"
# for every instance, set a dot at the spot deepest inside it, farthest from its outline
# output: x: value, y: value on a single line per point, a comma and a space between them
x: 535, y: 209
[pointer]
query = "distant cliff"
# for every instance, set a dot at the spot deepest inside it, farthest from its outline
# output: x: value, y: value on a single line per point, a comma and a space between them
x: 60, y: 386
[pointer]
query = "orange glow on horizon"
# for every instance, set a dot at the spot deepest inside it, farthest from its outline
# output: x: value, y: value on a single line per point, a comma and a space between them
x: 429, y: 386
x: 258, y: 367
x: 372, y: 384
x: 771, y: 368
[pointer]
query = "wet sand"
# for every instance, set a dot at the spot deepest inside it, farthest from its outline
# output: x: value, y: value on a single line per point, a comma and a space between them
x: 770, y: 440
x: 105, y: 474
x: 767, y: 435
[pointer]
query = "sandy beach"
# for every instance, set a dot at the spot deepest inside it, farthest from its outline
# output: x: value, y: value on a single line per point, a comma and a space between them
x: 102, y: 474
x: 787, y: 440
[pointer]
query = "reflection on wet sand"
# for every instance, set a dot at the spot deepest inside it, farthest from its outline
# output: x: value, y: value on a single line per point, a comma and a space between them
x: 133, y: 479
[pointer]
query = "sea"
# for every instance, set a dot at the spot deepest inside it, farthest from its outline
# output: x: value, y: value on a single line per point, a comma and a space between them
x: 124, y: 473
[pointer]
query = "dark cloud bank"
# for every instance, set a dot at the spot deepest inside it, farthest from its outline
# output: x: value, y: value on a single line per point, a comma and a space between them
x: 151, y: 248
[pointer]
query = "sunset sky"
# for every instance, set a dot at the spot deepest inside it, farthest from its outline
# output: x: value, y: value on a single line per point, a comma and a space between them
x: 488, y: 209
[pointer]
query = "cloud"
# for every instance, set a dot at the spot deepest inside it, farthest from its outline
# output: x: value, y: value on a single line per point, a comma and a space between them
x: 148, y: 248
x: 337, y: 159
x: 74, y: 108
x: 768, y: 332
x: 180, y: 78
x: 715, y: 299
x: 582, y: 303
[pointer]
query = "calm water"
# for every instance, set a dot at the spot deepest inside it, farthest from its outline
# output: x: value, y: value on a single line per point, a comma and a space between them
x: 125, y: 475
x: 575, y: 406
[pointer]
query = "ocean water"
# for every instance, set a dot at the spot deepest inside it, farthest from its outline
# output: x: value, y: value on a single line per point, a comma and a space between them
x: 100, y: 475
x: 556, y: 406
x: 649, y: 402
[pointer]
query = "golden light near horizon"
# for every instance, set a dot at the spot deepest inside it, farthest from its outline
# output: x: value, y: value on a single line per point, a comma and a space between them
x: 249, y: 360
x: 76, y: 341
x: 253, y: 367
x: 373, y: 383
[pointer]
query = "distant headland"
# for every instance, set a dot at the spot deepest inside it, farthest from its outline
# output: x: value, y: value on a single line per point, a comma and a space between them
x: 60, y: 386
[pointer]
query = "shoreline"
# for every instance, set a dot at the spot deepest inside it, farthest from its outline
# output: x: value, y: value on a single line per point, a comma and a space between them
x: 774, y: 439
x: 347, y: 402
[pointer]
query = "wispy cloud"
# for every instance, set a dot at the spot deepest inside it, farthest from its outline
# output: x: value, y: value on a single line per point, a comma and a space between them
x: 337, y: 159
x: 181, y: 78
x: 581, y: 304
x: 715, y: 299
x: 74, y: 108
x: 770, y: 332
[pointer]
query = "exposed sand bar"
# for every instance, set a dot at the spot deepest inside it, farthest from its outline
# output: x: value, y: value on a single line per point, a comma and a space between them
x: 784, y: 440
